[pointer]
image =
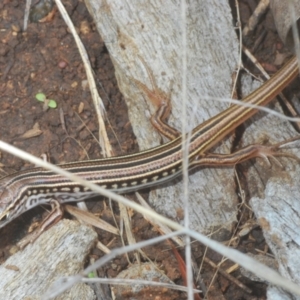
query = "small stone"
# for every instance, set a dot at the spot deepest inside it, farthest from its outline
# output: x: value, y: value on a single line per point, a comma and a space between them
x: 62, y: 64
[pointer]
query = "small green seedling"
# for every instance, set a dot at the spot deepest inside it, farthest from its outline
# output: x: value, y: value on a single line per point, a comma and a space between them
x: 92, y: 275
x: 42, y: 97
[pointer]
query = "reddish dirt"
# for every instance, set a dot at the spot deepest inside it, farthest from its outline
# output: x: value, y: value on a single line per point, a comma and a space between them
x: 45, y: 59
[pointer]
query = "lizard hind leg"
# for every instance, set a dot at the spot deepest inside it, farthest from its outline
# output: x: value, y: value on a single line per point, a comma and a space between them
x: 161, y: 101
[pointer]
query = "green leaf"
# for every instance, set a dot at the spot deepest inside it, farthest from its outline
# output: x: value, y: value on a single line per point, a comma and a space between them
x: 40, y: 97
x: 52, y: 103
x: 91, y: 275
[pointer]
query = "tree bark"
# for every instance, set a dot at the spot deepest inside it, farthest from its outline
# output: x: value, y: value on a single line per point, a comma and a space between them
x: 60, y: 251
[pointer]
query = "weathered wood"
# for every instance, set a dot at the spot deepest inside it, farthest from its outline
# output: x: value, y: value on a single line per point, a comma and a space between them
x: 152, y: 30
x: 278, y: 215
x: 61, y: 251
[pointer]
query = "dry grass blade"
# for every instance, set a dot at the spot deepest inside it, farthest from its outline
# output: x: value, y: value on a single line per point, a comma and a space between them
x: 128, y: 228
x: 122, y: 281
x: 90, y: 219
x: 161, y: 228
x: 254, y: 19
x: 26, y: 15
x: 228, y: 276
x: 98, y: 104
x: 103, y: 248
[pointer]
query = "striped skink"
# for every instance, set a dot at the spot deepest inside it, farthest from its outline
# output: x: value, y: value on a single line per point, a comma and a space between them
x: 23, y: 190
